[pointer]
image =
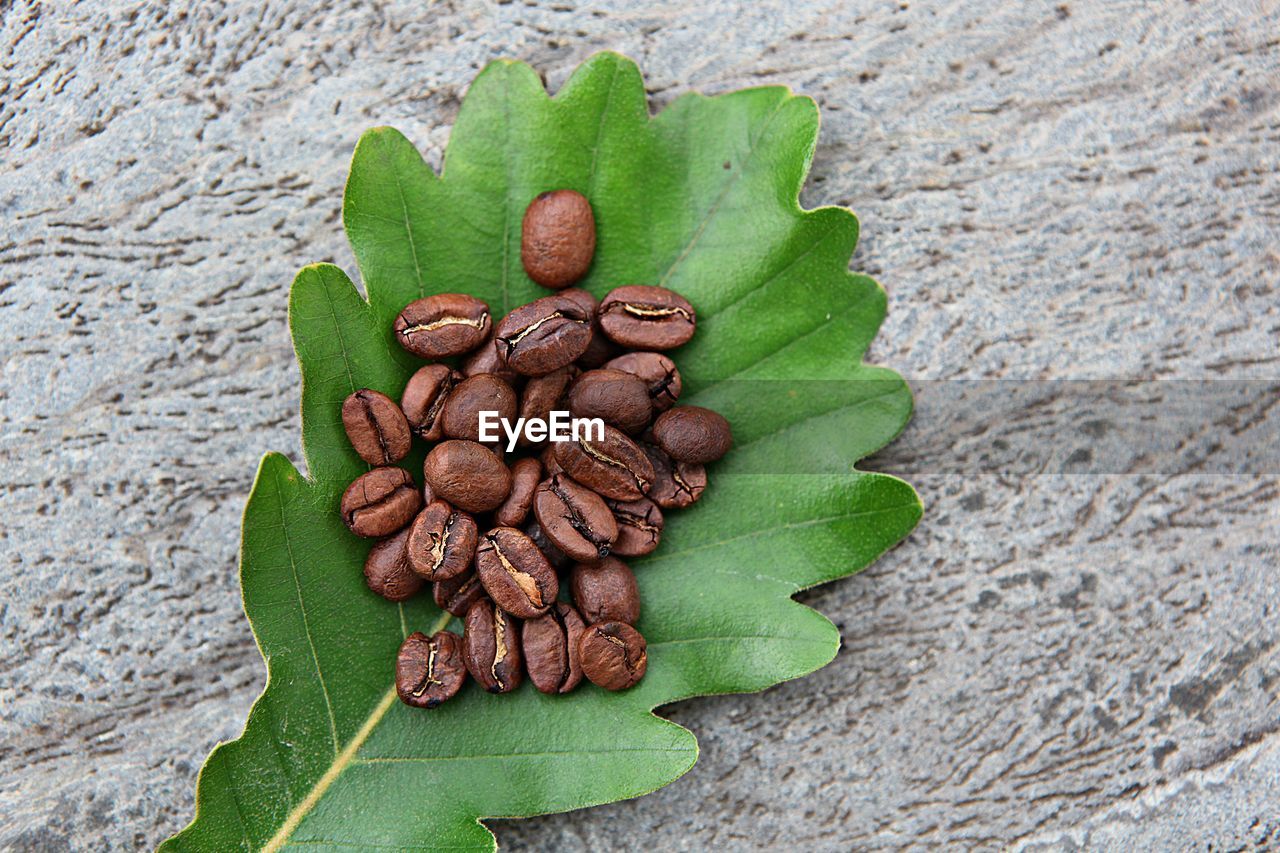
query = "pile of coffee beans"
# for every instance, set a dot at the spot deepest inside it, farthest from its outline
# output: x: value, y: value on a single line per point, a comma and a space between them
x: 499, y: 526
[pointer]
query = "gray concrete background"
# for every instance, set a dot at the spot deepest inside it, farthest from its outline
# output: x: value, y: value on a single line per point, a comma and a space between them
x: 1047, y: 191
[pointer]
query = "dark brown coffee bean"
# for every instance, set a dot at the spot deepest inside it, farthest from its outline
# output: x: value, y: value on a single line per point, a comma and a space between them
x: 550, y: 467
x: 515, y: 573
x: 473, y: 395
x: 550, y: 646
x: 605, y: 591
x: 380, y: 502
x: 376, y: 427
x: 468, y: 475
x: 601, y: 349
x: 558, y: 238
x: 614, y: 467
x: 491, y: 647
x: 548, y: 548
x: 612, y: 655
x: 693, y: 434
x: 485, y: 359
x: 442, y: 542
x: 614, y: 396
x: 457, y: 594
x: 442, y: 325
x: 675, y: 484
x: 387, y: 572
x: 429, y: 670
x: 574, y: 518
x: 545, y: 335
x: 525, y: 475
x: 639, y: 526
x: 647, y: 318
x: 656, y: 371
x: 542, y: 394
x: 424, y: 398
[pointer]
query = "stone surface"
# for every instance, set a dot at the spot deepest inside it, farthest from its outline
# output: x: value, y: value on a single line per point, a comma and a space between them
x: 1048, y: 192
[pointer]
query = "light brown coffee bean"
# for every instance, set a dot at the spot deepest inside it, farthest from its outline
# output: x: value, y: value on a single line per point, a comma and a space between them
x: 473, y: 395
x: 380, y: 502
x: 424, y: 397
x: 605, y: 591
x: 515, y: 573
x: 468, y: 475
x: 574, y: 518
x: 442, y: 325
x: 387, y: 572
x: 693, y: 434
x: 491, y: 647
x: 429, y: 670
x: 525, y: 475
x: 550, y: 647
x: 644, y: 317
x: 615, y: 396
x: 614, y: 466
x: 545, y: 335
x: 613, y: 655
x: 657, y: 372
x: 442, y: 542
x: 376, y: 427
x: 557, y: 238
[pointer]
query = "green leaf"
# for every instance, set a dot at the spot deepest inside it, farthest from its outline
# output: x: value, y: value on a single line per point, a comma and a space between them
x: 701, y: 198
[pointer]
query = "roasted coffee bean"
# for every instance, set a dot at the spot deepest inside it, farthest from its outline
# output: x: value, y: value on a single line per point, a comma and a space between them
x: 614, y: 467
x: 575, y: 518
x: 656, y: 371
x: 612, y: 655
x: 548, y: 548
x: 429, y: 670
x: 675, y: 484
x: 558, y: 238
x: 639, y: 526
x: 442, y: 325
x: 693, y: 434
x: 605, y: 591
x: 646, y: 318
x: 550, y: 646
x: 491, y: 647
x: 442, y: 542
x: 387, y: 572
x: 457, y: 594
x: 525, y: 474
x: 424, y: 398
x: 545, y: 335
x: 473, y: 395
x: 550, y: 467
x: 601, y: 349
x: 542, y: 394
x: 468, y: 475
x: 485, y: 359
x: 515, y: 573
x: 380, y: 502
x: 376, y: 427
x: 614, y: 396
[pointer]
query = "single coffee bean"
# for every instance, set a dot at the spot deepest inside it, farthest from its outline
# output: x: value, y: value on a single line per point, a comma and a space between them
x: 387, y: 572
x: 693, y: 434
x: 558, y: 238
x: 601, y: 349
x: 542, y: 394
x: 656, y: 371
x: 612, y: 655
x: 429, y: 670
x: 545, y: 335
x: 550, y: 467
x: 515, y: 573
x: 485, y: 359
x: 550, y: 647
x: 614, y: 467
x: 548, y: 548
x: 376, y: 427
x: 675, y: 484
x: 574, y: 518
x: 442, y: 542
x: 380, y: 502
x: 442, y: 325
x: 614, y: 396
x: 491, y: 647
x: 605, y: 591
x: 639, y: 526
x: 525, y: 474
x: 473, y: 395
x: 424, y: 398
x: 457, y: 594
x: 468, y: 475
x: 647, y: 318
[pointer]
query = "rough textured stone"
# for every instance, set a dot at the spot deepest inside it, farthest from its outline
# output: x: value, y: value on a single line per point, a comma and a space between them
x: 1048, y: 191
